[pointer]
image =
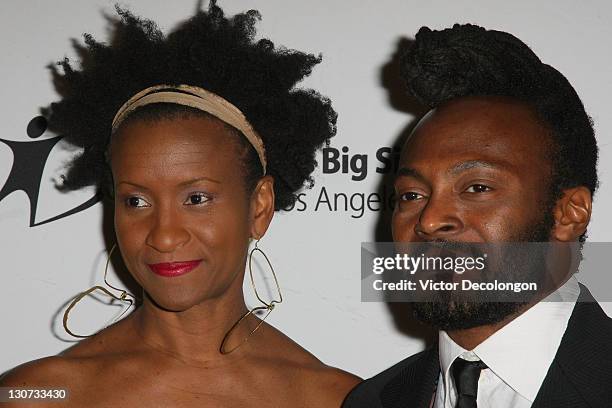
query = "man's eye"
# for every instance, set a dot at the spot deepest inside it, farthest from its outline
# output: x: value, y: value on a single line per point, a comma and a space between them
x: 136, y: 202
x: 478, y: 188
x: 410, y: 196
x: 196, y: 199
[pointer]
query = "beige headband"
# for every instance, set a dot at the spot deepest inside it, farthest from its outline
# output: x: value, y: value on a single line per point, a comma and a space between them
x: 198, y: 98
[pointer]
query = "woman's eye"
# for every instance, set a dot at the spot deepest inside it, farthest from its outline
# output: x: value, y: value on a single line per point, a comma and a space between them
x: 197, y: 198
x: 410, y: 196
x: 136, y: 202
x: 478, y: 188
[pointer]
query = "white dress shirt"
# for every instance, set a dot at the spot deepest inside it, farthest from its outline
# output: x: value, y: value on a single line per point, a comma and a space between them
x: 518, y: 355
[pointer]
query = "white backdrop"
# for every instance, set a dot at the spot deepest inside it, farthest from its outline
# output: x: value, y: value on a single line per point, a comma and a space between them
x: 316, y: 253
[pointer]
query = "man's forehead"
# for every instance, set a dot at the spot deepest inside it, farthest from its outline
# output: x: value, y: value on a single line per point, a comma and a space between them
x: 482, y: 119
x: 470, y: 131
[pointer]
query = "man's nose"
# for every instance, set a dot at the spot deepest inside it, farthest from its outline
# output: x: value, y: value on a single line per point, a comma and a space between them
x: 439, y: 219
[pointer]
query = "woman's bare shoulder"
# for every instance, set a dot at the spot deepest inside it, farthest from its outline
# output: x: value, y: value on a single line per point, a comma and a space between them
x: 69, y: 366
x: 322, y: 385
x: 55, y: 372
x: 50, y: 371
x: 77, y: 374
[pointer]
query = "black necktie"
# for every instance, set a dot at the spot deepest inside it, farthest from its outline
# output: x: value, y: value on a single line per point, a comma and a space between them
x: 466, y: 375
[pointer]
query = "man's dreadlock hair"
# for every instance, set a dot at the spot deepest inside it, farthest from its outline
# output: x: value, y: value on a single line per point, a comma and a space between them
x: 468, y: 60
x: 211, y: 51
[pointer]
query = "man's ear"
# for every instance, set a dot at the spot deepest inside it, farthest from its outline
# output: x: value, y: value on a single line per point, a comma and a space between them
x: 572, y: 214
x: 262, y: 206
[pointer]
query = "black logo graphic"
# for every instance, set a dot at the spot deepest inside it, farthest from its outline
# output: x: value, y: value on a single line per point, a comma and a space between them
x: 29, y: 159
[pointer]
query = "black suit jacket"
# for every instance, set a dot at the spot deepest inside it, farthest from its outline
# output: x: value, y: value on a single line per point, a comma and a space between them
x: 580, y: 375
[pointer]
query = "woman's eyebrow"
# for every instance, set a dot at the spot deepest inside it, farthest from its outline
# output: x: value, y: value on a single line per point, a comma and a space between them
x: 197, y: 180
x: 129, y: 183
x: 181, y: 184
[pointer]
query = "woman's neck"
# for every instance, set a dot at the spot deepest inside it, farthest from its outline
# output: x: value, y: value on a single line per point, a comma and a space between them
x: 195, y: 335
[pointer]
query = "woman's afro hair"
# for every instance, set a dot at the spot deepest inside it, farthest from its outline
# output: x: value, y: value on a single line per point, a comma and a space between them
x: 209, y: 50
x: 468, y: 60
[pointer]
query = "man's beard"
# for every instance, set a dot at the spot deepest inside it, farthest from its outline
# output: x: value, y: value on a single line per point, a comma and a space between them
x: 457, y: 314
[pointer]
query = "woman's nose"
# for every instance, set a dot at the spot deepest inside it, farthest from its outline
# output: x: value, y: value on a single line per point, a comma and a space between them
x: 167, y: 232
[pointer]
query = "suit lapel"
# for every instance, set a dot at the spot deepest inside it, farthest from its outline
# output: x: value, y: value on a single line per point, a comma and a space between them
x: 557, y: 391
x: 579, y: 377
x: 415, y: 385
x: 581, y: 373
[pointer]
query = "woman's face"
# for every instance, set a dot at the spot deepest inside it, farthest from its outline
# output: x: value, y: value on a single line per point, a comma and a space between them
x: 183, y: 217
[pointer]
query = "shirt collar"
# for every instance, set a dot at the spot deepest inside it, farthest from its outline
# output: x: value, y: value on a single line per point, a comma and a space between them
x: 521, y: 352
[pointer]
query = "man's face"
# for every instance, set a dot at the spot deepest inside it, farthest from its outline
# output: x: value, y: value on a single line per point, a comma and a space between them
x: 474, y: 170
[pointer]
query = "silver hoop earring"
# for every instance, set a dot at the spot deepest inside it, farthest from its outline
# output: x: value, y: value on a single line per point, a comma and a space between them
x: 267, y: 306
x: 271, y: 304
x: 123, y: 297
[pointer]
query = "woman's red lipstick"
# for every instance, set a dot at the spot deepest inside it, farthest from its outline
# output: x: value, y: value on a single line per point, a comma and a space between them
x: 173, y: 269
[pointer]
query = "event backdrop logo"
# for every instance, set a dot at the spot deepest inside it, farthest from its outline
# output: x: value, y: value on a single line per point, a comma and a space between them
x: 29, y: 159
x: 356, y: 167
